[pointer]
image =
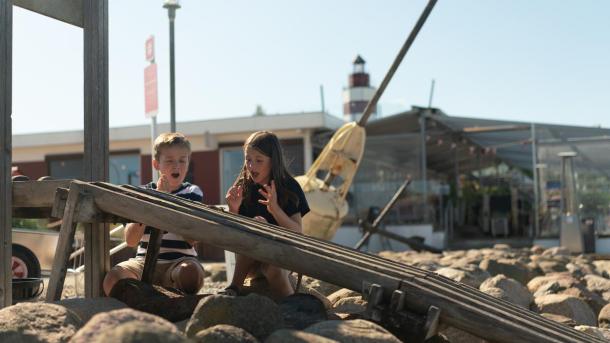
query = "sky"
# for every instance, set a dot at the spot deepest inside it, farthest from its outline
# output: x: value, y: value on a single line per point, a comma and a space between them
x: 542, y: 61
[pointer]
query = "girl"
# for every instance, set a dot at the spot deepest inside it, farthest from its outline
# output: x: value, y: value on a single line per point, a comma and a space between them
x: 265, y: 191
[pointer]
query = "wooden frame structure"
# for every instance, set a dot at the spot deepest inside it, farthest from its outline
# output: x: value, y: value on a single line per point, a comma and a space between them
x: 412, y: 300
x: 92, y: 16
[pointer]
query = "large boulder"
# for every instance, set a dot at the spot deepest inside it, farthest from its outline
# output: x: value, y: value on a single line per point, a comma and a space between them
x: 342, y: 293
x: 350, y: 305
x: 224, y: 334
x: 602, y: 267
x: 134, y: 332
x: 107, y: 321
x: 86, y: 308
x: 511, y: 268
x: 559, y: 319
x: 170, y: 304
x: 507, y: 289
x: 302, y: 310
x: 216, y: 272
x: 254, y: 313
x: 598, y: 284
x: 323, y: 287
x: 563, y: 280
x: 556, y: 252
x: 37, y: 322
x: 294, y: 336
x: 567, y: 306
x: 352, y: 331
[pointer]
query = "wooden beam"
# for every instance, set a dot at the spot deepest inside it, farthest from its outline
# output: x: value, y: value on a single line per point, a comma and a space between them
x: 152, y: 253
x: 6, y: 88
x: 36, y: 193
x: 460, y: 306
x: 97, y: 239
x: 64, y: 245
x: 68, y: 11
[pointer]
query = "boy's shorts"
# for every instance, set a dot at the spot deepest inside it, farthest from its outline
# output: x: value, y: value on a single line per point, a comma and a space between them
x: 163, y: 270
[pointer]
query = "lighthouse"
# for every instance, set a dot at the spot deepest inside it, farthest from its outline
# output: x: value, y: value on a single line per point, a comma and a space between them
x: 358, y: 93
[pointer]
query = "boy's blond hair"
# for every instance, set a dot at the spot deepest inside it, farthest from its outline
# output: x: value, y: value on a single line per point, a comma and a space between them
x: 170, y: 139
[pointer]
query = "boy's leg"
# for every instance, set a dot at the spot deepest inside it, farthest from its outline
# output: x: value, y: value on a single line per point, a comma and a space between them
x: 278, y: 280
x: 185, y: 274
x: 130, y: 269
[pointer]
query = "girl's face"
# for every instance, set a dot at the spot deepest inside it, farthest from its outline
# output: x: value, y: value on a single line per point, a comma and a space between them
x: 258, y: 166
x: 174, y: 164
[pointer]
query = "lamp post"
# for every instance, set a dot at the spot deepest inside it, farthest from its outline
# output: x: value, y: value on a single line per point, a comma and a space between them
x: 172, y: 6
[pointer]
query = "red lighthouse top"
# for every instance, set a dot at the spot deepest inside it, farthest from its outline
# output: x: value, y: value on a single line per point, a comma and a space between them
x: 359, y: 77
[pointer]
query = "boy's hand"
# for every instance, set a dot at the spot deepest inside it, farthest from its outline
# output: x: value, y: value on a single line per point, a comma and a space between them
x: 234, y: 197
x: 163, y: 184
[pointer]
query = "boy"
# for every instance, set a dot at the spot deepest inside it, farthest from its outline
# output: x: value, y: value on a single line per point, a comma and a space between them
x: 177, y: 265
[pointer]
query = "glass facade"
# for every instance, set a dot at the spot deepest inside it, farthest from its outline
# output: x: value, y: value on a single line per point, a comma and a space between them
x: 124, y: 168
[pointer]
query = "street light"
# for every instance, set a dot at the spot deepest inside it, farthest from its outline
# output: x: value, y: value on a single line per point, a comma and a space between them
x: 172, y: 6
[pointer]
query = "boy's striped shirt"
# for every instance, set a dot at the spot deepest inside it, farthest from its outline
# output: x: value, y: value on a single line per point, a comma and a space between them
x: 173, y: 246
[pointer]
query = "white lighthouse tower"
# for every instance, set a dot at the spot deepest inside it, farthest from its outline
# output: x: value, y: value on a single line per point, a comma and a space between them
x: 358, y: 93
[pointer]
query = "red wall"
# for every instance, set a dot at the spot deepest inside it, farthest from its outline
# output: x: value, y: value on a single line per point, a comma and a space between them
x: 33, y: 170
x: 206, y: 174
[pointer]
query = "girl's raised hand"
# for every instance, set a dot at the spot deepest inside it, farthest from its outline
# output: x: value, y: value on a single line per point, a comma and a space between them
x: 234, y: 197
x: 270, y: 194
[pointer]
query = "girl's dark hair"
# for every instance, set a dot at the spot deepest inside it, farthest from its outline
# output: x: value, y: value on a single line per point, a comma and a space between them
x: 268, y: 144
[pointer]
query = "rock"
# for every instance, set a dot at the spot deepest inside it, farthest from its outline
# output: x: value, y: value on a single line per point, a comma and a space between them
x: 302, y: 310
x: 106, y: 321
x: 595, y: 332
x: 135, y: 332
x: 320, y: 286
x: 467, y: 274
x: 224, y: 334
x: 594, y: 300
x: 579, y: 270
x: 511, y: 268
x: 507, y: 289
x: 556, y: 251
x: 217, y: 272
x: 319, y: 296
x: 563, y: 280
x: 167, y: 303
x: 42, y: 322
x: 602, y: 268
x: 559, y: 319
x: 256, y: 314
x: 551, y: 266
x: 350, y: 305
x: 598, y: 284
x: 604, y: 317
x: 567, y: 306
x: 342, y: 293
x: 537, y: 249
x: 455, y: 335
x: 353, y: 331
x: 501, y: 246
x: 86, y: 308
x: 294, y: 336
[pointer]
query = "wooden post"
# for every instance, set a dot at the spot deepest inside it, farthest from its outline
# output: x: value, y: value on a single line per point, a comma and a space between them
x: 64, y: 245
x: 152, y: 253
x: 6, y: 87
x: 97, y: 239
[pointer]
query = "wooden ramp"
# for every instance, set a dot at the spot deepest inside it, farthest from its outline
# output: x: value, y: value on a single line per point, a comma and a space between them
x: 409, y: 300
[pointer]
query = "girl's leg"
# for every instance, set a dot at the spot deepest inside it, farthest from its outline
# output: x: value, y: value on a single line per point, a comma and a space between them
x: 243, y: 265
x: 278, y: 280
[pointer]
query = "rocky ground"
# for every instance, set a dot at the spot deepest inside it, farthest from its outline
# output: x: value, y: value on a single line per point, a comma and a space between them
x: 573, y: 290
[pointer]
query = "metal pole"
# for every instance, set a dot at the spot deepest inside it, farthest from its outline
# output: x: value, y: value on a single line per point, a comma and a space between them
x: 153, y: 136
x: 171, y: 11
x: 424, y: 169
x: 322, y: 98
x: 431, y: 94
x: 401, y: 54
x: 535, y: 177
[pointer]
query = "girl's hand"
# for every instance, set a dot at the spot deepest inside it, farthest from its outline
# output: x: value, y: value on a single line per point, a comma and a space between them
x: 234, y: 197
x: 163, y: 184
x: 268, y: 191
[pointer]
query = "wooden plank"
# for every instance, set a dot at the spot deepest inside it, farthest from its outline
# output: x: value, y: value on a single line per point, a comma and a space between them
x: 36, y: 193
x: 6, y: 65
x: 64, y: 245
x: 68, y: 11
x: 461, y: 306
x: 97, y: 239
x: 152, y: 253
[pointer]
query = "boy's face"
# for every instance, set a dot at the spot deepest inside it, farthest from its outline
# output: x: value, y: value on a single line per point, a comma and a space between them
x: 258, y: 166
x: 174, y: 164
